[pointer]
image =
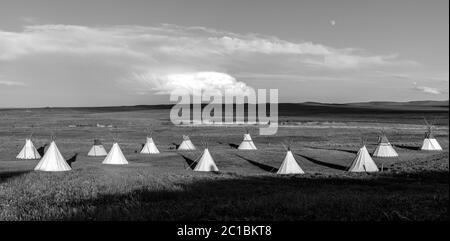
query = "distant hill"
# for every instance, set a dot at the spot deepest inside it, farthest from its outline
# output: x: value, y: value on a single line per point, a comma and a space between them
x: 305, y: 106
x: 443, y: 103
x: 412, y: 112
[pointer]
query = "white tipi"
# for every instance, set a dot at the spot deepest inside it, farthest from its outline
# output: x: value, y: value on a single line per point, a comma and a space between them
x: 52, y: 161
x: 363, y: 162
x: 430, y: 143
x: 186, y: 144
x: 290, y: 165
x: 149, y: 147
x: 97, y: 149
x: 28, y: 151
x: 206, y: 163
x: 115, y: 156
x: 247, y: 143
x: 384, y: 147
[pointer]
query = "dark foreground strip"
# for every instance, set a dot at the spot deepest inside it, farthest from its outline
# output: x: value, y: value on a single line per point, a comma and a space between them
x: 225, y: 230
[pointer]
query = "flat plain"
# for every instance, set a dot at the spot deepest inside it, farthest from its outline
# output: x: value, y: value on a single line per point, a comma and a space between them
x: 325, y: 139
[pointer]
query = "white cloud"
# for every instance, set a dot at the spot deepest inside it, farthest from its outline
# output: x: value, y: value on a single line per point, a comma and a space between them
x: 165, y: 57
x: 144, y: 42
x: 268, y: 46
x: 428, y: 90
x: 11, y: 83
x: 67, y: 39
x: 213, y: 83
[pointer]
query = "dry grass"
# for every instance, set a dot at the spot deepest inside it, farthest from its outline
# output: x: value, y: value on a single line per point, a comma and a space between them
x: 162, y: 187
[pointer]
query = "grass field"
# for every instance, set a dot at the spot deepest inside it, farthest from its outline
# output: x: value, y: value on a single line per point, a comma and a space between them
x: 414, y: 186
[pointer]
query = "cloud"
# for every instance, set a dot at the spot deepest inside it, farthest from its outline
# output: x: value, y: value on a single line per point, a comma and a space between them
x: 65, y: 39
x: 158, y: 59
x: 145, y: 42
x: 428, y: 90
x: 267, y: 46
x: 11, y: 83
x: 213, y: 83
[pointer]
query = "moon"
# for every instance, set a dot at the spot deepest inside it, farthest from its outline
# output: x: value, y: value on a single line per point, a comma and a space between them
x: 333, y: 22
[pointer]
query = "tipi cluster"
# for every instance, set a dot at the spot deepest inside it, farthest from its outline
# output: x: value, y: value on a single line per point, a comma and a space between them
x: 363, y: 162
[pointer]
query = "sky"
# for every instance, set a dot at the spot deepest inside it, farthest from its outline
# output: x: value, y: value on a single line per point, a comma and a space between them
x: 104, y: 53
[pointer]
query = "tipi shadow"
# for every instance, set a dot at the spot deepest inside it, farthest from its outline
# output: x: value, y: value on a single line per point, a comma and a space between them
x: 140, y: 149
x: 262, y: 166
x: 41, y: 150
x: 176, y: 145
x: 191, y: 163
x: 330, y: 149
x: 322, y: 163
x: 412, y: 148
x: 232, y: 145
x: 72, y: 159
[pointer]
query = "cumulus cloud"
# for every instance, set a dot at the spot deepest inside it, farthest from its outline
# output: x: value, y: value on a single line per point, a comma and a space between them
x: 213, y: 83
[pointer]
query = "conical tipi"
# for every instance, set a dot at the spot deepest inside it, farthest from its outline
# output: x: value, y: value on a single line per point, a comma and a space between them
x: 52, y: 161
x: 247, y: 143
x: 115, y: 156
x: 186, y: 144
x: 430, y: 143
x: 97, y: 149
x: 384, y: 148
x: 206, y: 163
x: 149, y: 147
x: 363, y: 162
x: 28, y: 151
x: 290, y: 165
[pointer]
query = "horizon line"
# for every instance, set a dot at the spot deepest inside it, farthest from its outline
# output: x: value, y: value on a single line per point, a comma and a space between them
x: 169, y: 104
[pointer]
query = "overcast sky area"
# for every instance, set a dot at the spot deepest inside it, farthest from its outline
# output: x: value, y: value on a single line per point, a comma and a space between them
x: 103, y: 53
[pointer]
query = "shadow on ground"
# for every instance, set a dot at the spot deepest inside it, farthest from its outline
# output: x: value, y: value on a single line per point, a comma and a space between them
x: 262, y: 166
x: 322, y: 163
x: 331, y: 149
x: 176, y: 145
x: 412, y: 148
x: 270, y: 197
x: 72, y: 159
x: 190, y: 162
x: 234, y: 146
x: 4, y: 176
x: 41, y: 150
